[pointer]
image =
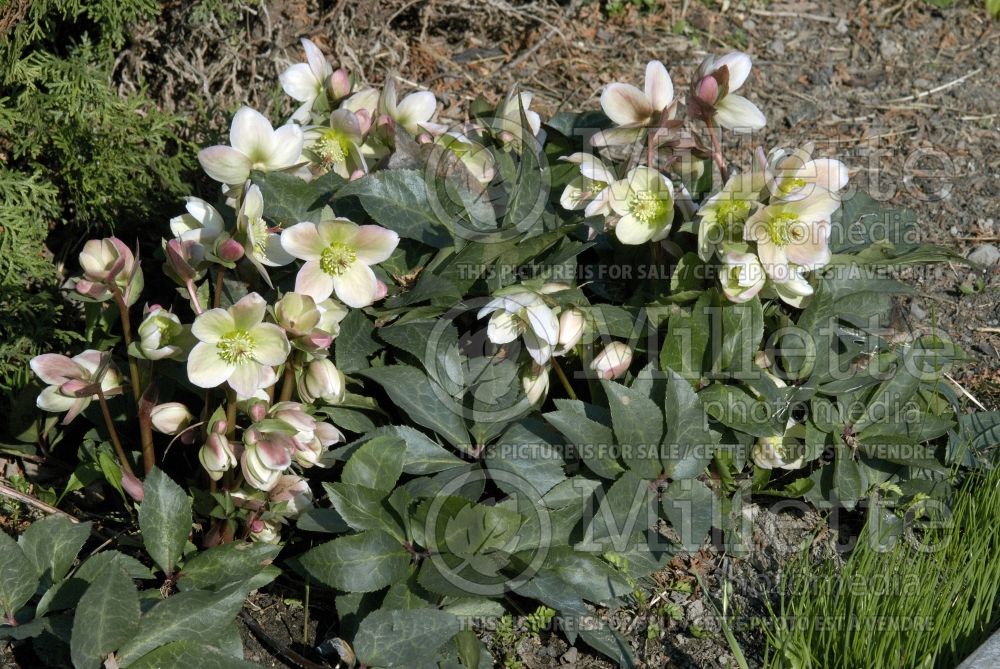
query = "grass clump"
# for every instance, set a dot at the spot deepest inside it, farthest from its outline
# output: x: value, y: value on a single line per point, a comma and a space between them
x: 917, y: 592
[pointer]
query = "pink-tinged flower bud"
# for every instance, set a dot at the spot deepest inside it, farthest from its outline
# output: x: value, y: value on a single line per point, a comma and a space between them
x: 73, y: 382
x: 536, y: 384
x: 613, y: 361
x: 170, y: 417
x: 258, y: 411
x: 310, y: 447
x: 102, y: 260
x: 708, y: 90
x: 356, y: 174
x: 321, y: 380
x: 217, y: 456
x: 133, y: 486
x: 78, y: 388
x: 182, y: 259
x: 220, y: 427
x: 381, y: 290
x: 424, y: 138
x: 316, y: 341
x: 571, y: 325
x: 264, y: 461
x: 339, y: 84
x: 230, y: 250
x: 296, y: 313
x: 294, y: 415
x: 295, y: 492
x: 364, y: 120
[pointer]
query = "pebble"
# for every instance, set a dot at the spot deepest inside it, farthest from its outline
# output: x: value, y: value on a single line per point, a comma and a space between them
x: 917, y: 313
x: 777, y: 47
x: 889, y: 48
x: 953, y: 231
x: 749, y: 24
x: 842, y: 26
x: 570, y: 657
x: 985, y: 254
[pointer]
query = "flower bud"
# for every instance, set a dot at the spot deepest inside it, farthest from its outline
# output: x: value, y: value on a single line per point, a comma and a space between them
x: 257, y: 411
x: 310, y: 447
x: 322, y: 381
x: 230, y: 250
x: 217, y: 456
x: 339, y: 84
x: 742, y: 276
x: 708, y: 90
x: 613, y: 361
x: 108, y: 264
x: 536, y: 384
x: 381, y: 290
x: 296, y: 313
x: 265, y: 460
x: 133, y: 486
x: 295, y: 492
x: 265, y: 531
x: 161, y: 335
x: 170, y: 417
x: 571, y: 326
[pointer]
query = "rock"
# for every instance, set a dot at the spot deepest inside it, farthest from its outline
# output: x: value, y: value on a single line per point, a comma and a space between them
x: 986, y: 348
x: 777, y: 47
x: 889, y: 48
x: 917, y: 313
x: 842, y: 27
x: 985, y: 254
x: 749, y: 24
x: 570, y: 657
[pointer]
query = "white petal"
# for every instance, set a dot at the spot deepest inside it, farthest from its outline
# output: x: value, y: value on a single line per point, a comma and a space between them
x: 624, y: 104
x: 618, y: 197
x: 659, y: 87
x: 739, y: 114
x: 374, y: 244
x: 271, y: 346
x: 592, y: 168
x: 50, y: 399
x: 321, y: 69
x: 251, y: 133
x: 248, y: 312
x: 543, y: 322
x: 205, y: 368
x: 313, y: 281
x: 539, y: 349
x: 615, y: 136
x: 225, y: 164
x: 631, y: 230
x: 416, y: 108
x: 356, y: 286
x: 827, y: 173
x: 739, y: 68
x: 299, y: 82
x: 337, y: 231
x: 212, y: 325
x: 247, y: 378
x: 302, y: 241
x: 502, y: 328
x: 55, y: 369
x: 286, y: 148
x: 574, y: 196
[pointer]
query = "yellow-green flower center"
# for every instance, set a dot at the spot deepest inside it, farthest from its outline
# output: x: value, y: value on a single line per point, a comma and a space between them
x: 784, y: 228
x: 236, y: 347
x: 336, y: 258
x: 257, y: 234
x: 731, y: 214
x: 791, y: 184
x: 647, y: 207
x: 332, y: 148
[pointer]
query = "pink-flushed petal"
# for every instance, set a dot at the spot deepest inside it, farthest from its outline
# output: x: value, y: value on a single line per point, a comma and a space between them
x: 827, y: 173
x: 76, y: 409
x: 270, y: 344
x: 248, y: 312
x: 286, y: 147
x: 213, y: 325
x: 328, y: 434
x: 90, y: 360
x: 274, y: 254
x: 739, y: 114
x: 615, y: 136
x: 302, y: 241
x: 56, y: 369
x: 299, y: 82
x: 337, y: 231
x: 247, y: 378
x: 318, y: 64
x: 374, y: 244
x: 659, y: 88
x: 50, y: 399
x: 416, y: 108
x: 773, y: 260
x: 357, y: 286
x: 225, y: 164
x: 251, y: 134
x: 205, y: 368
x: 813, y: 250
x: 274, y: 453
x: 313, y: 281
x: 624, y: 104
x: 739, y: 65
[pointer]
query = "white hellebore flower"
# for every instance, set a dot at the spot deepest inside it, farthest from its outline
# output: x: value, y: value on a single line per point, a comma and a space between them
x: 716, y: 88
x: 784, y: 452
x: 796, y: 175
x: 572, y: 323
x: 261, y: 244
x: 645, y: 202
x: 792, y: 235
x: 413, y: 113
x: 73, y: 382
x: 202, y: 223
x: 741, y: 276
x: 337, y: 146
x: 510, y: 117
x: 722, y: 216
x: 338, y: 255
x: 294, y: 492
x: 237, y: 347
x: 255, y: 145
x: 589, y: 191
x: 161, y: 335
x: 305, y: 82
x: 523, y: 314
x: 474, y: 155
x: 631, y: 109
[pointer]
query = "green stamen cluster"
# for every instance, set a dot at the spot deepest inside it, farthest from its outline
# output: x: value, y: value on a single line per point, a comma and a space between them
x: 783, y: 229
x: 732, y: 213
x: 789, y: 185
x: 236, y: 347
x: 331, y: 149
x: 647, y: 207
x: 336, y: 258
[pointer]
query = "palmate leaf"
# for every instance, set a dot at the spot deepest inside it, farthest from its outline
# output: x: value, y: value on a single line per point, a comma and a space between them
x: 106, y: 617
x: 376, y: 464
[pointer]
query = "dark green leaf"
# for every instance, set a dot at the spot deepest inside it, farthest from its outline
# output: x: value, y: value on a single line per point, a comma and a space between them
x: 52, y: 544
x: 399, y: 200
x: 422, y: 400
x: 638, y: 426
x: 106, y: 617
x: 394, y: 638
x: 354, y: 344
x: 692, y: 509
x: 360, y: 563
x: 18, y: 577
x: 362, y: 508
x: 377, y: 464
x: 187, y: 654
x: 165, y: 520
x: 226, y: 564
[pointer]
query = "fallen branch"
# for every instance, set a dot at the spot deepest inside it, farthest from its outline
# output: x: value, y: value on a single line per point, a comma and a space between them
x: 7, y: 491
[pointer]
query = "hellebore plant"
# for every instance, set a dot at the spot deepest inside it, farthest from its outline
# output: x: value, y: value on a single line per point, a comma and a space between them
x: 365, y: 321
